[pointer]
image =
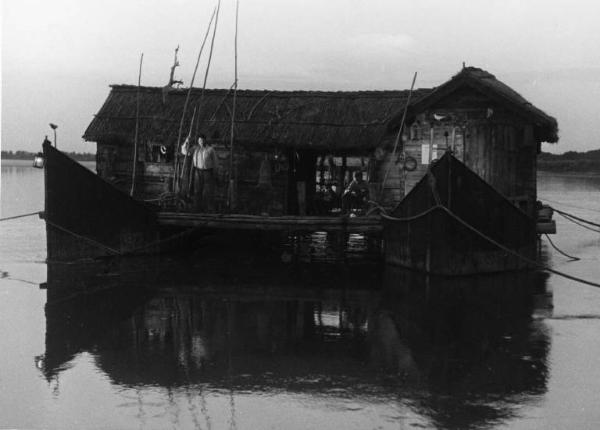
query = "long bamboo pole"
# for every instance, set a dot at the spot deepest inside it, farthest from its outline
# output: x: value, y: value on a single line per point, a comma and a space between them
x: 185, y: 158
x: 399, y: 135
x: 176, y: 178
x: 232, y: 175
x: 210, y: 53
x: 137, y: 127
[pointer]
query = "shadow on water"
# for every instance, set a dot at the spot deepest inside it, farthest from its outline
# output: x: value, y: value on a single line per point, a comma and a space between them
x: 461, y: 353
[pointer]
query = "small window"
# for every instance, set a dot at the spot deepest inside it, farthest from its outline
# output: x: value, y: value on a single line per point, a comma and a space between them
x: 158, y: 153
x: 414, y: 132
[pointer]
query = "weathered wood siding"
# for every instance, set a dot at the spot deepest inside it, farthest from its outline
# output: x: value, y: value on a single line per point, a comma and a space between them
x: 115, y: 163
x: 495, y: 143
x: 252, y: 197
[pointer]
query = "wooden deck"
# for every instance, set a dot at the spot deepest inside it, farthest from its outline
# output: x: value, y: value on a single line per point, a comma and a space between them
x: 366, y: 224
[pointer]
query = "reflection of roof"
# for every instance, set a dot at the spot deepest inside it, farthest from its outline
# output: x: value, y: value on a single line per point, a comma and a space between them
x: 487, y: 84
x: 308, y: 119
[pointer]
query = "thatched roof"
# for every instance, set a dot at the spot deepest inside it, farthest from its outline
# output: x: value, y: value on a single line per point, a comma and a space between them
x: 323, y: 120
x: 335, y: 121
x: 546, y: 127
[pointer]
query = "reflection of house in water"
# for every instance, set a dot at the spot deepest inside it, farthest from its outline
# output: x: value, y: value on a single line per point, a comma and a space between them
x: 463, y: 353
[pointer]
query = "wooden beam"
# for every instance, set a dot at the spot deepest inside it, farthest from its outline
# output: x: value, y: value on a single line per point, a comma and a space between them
x: 370, y: 224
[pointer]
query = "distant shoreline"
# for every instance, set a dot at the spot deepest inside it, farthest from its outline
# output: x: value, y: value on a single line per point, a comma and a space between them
x: 570, y: 167
x: 570, y: 163
x: 571, y: 174
x: 26, y: 155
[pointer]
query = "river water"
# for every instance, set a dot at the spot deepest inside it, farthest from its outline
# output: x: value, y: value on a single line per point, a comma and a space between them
x: 226, y: 343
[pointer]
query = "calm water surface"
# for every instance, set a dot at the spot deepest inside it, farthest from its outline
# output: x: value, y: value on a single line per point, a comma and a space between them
x: 220, y: 344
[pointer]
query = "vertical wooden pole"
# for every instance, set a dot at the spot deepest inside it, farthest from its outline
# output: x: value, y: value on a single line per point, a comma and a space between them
x: 322, y: 171
x: 399, y: 135
x: 137, y: 126
x: 342, y: 175
x: 301, y: 189
x: 232, y: 175
x: 176, y: 170
x: 431, y: 135
x: 453, y: 142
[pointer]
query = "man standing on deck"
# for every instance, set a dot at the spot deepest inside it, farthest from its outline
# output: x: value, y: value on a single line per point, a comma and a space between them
x: 204, y: 163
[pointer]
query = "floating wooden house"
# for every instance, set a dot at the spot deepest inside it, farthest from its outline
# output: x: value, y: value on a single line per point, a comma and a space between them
x: 294, y: 151
x: 290, y: 145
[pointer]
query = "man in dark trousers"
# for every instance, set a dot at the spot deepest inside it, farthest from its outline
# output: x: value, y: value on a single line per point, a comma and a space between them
x: 204, y: 164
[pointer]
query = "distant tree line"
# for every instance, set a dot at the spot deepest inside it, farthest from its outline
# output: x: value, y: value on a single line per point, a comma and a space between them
x: 570, y: 161
x: 26, y: 155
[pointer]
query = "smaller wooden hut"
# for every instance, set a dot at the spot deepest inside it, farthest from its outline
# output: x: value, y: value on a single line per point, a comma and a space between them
x: 486, y: 125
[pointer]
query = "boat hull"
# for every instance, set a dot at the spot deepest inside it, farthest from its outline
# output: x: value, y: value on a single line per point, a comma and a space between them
x: 452, y: 222
x: 88, y: 217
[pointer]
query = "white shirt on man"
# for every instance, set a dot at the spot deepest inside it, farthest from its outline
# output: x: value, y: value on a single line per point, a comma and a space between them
x: 203, y: 156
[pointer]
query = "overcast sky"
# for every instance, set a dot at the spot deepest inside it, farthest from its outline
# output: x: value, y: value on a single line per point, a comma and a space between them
x: 58, y: 57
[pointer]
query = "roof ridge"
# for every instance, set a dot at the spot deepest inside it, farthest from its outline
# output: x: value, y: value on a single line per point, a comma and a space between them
x: 130, y: 87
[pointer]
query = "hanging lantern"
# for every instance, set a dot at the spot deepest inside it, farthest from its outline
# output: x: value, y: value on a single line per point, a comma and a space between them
x: 38, y: 160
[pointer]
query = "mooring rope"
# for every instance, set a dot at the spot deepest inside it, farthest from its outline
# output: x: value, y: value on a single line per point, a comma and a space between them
x: 100, y: 245
x: 376, y: 207
x: 570, y: 205
x: 21, y: 216
x: 572, y: 217
x: 587, y: 227
x: 560, y: 251
x: 162, y: 241
x: 529, y: 261
x: 84, y: 238
x: 383, y: 215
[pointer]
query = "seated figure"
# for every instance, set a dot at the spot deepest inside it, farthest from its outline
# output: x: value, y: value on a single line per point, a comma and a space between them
x: 356, y: 195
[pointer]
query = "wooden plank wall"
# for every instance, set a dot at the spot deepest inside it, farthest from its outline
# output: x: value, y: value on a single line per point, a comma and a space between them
x: 498, y: 146
x: 253, y: 198
x: 114, y: 161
